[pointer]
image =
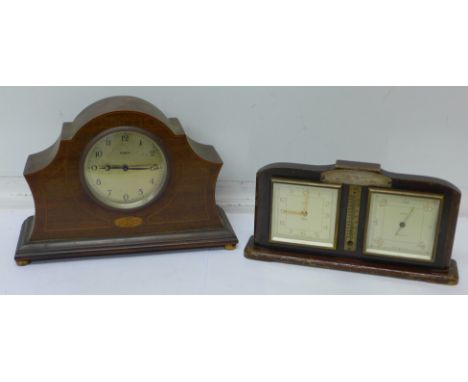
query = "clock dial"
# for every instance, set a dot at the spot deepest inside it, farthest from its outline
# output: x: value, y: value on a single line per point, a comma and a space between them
x: 402, y: 224
x: 125, y: 169
x: 304, y: 213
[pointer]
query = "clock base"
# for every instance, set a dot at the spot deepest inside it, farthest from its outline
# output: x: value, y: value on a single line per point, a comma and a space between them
x: 444, y: 276
x: 30, y: 251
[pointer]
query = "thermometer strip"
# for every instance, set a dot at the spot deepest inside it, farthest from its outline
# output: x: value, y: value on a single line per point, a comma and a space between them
x: 352, y: 217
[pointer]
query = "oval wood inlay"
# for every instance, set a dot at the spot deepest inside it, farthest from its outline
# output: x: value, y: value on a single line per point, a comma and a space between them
x: 128, y: 222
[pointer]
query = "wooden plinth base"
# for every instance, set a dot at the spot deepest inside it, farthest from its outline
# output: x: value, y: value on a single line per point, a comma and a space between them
x: 28, y: 251
x: 444, y: 276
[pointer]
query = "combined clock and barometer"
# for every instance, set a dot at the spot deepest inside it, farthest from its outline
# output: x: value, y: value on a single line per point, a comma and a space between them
x: 122, y: 178
x: 354, y: 216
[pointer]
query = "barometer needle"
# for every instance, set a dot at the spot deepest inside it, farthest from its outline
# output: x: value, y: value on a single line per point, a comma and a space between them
x: 403, y: 223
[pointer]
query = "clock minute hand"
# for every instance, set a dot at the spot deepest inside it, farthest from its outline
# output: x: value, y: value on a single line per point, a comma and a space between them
x: 144, y: 167
x: 301, y: 213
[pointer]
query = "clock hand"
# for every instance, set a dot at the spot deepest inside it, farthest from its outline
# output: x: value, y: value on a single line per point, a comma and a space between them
x: 301, y: 213
x: 306, y: 203
x: 125, y: 167
x: 403, y: 223
x: 109, y: 167
x: 143, y: 167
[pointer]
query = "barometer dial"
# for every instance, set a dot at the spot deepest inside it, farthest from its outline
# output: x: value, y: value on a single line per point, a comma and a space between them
x: 402, y: 224
x: 125, y: 169
x: 304, y: 213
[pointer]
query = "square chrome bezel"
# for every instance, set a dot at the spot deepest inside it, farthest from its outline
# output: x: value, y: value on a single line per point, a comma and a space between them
x: 400, y: 255
x: 307, y: 243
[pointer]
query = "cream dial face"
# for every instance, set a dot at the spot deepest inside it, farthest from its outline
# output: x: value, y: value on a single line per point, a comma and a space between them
x: 402, y: 224
x: 125, y: 169
x: 304, y: 213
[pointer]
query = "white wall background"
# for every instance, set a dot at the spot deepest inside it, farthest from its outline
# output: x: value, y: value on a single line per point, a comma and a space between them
x: 421, y: 130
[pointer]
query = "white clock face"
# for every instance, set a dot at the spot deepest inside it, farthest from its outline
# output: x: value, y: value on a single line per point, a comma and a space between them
x: 304, y: 213
x: 402, y: 224
x: 125, y: 169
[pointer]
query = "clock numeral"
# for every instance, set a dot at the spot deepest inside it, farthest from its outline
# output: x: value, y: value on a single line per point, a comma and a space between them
x: 109, y: 192
x: 108, y: 142
x: 98, y: 182
x: 153, y: 153
x: 125, y: 138
x: 94, y: 167
x: 141, y: 142
x: 152, y: 181
x: 126, y: 197
x: 98, y: 154
x: 140, y: 191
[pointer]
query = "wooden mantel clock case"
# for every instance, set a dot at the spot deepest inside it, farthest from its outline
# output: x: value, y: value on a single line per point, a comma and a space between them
x: 122, y: 178
x: 357, y: 217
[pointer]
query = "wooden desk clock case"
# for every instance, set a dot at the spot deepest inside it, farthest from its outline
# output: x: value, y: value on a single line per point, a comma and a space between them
x: 122, y: 178
x: 356, y: 217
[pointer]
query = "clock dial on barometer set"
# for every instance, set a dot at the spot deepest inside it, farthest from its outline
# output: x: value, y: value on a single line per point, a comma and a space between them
x: 304, y: 213
x: 125, y: 169
x: 402, y: 224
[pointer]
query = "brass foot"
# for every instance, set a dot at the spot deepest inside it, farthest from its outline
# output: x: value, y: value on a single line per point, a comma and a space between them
x: 22, y: 263
x: 230, y: 247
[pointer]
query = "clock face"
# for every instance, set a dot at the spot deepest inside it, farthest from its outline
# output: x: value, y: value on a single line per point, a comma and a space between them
x: 402, y: 224
x: 125, y: 169
x: 304, y: 213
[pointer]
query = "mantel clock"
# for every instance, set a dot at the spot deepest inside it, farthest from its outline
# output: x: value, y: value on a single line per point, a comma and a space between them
x: 122, y: 178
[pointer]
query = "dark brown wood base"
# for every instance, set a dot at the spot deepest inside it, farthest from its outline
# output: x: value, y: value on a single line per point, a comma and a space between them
x: 28, y: 251
x: 444, y: 276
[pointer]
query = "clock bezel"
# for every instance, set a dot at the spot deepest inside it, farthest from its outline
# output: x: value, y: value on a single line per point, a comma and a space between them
x: 302, y: 182
x: 157, y: 195
x: 392, y: 191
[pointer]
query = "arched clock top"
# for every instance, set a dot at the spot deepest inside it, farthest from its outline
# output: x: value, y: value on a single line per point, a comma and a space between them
x: 122, y: 178
x: 120, y: 104
x: 108, y: 106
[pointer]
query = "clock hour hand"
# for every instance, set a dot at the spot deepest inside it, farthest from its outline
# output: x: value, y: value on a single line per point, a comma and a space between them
x: 306, y: 202
x: 109, y: 167
x: 403, y: 223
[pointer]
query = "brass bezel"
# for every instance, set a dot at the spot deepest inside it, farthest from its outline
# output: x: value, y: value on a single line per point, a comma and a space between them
x: 310, y: 184
x: 119, y: 207
x: 417, y: 194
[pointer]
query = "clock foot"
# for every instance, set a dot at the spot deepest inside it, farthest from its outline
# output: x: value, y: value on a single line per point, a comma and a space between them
x: 22, y: 263
x: 230, y: 247
x: 447, y: 276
